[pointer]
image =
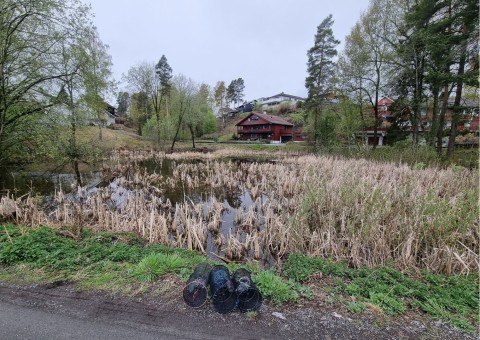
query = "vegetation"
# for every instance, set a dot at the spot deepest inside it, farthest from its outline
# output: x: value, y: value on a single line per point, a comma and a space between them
x: 393, y: 228
x: 368, y: 212
x: 123, y: 263
x: 416, y: 52
x: 319, y: 82
x: 451, y: 298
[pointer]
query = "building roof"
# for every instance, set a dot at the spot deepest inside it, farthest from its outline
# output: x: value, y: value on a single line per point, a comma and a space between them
x: 385, y: 101
x: 281, y: 94
x: 269, y: 118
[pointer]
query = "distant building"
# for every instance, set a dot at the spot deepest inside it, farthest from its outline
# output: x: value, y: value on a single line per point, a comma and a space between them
x: 468, y: 123
x: 257, y: 126
x: 277, y: 99
x: 269, y: 102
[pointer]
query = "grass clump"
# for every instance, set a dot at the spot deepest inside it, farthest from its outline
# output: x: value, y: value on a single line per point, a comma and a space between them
x: 155, y: 265
x: 274, y: 288
x: 454, y: 299
x: 356, y: 307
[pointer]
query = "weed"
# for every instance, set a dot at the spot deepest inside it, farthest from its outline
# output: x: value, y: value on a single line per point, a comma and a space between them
x: 251, y: 315
x: 387, y: 303
x: 274, y: 288
x: 45, y: 255
x: 155, y: 265
x: 451, y: 298
x: 356, y: 307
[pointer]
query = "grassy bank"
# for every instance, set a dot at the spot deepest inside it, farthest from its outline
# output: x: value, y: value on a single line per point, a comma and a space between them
x: 124, y: 263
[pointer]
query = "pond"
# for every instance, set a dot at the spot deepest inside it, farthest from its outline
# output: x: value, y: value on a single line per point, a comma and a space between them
x: 21, y: 183
x: 180, y: 186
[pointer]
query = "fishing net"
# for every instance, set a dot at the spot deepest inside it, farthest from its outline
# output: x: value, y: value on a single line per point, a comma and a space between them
x: 195, y: 291
x: 249, y: 297
x: 222, y: 290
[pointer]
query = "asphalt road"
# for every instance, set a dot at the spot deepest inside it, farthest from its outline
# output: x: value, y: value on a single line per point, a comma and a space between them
x: 17, y: 322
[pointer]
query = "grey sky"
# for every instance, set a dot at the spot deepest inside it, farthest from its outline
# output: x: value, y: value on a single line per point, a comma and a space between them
x: 262, y: 41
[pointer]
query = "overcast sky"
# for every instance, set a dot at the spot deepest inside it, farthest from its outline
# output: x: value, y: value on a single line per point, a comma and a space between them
x: 262, y: 41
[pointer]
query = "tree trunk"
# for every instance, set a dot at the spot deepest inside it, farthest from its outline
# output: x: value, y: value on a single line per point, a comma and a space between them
x: 180, y: 119
x: 441, y: 118
x: 78, y: 177
x: 158, y: 121
x: 175, y: 137
x: 190, y: 126
x: 458, y: 96
x: 376, y: 121
x: 434, y: 123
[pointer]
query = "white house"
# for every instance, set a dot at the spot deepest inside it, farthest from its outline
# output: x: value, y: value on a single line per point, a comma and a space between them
x: 278, y: 99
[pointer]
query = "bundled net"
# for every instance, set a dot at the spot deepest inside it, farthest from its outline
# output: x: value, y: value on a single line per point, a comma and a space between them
x: 195, y: 291
x: 249, y: 297
x: 222, y: 289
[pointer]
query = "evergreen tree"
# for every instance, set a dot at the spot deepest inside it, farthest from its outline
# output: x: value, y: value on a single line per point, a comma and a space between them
x: 161, y: 90
x: 239, y: 88
x: 321, y: 69
x: 230, y: 94
x: 164, y: 73
x: 219, y: 96
x: 123, y: 101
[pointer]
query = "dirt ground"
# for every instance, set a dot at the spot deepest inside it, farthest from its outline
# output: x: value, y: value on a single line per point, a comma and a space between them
x: 151, y: 313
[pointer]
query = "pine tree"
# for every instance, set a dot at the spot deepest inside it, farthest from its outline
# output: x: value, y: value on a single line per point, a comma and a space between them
x: 321, y: 69
x: 163, y: 73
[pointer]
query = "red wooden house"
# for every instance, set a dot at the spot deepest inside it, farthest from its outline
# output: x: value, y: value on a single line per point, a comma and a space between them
x: 258, y: 126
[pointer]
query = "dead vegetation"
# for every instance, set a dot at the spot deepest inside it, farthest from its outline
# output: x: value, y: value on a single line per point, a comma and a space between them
x: 357, y: 211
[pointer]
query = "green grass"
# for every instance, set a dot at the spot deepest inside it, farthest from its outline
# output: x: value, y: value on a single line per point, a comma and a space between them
x: 454, y: 299
x: 155, y: 265
x: 114, y: 262
x: 123, y: 263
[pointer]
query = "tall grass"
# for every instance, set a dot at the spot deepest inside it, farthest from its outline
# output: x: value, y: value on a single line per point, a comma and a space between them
x: 366, y: 213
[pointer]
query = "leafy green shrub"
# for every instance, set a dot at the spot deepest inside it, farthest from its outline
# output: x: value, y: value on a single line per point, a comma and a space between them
x: 37, y: 246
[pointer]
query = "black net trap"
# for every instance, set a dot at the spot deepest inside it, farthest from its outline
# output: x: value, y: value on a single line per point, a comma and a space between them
x: 249, y: 297
x: 222, y: 289
x: 195, y: 292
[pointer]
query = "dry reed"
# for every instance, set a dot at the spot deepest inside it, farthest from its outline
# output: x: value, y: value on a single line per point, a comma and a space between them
x: 363, y: 212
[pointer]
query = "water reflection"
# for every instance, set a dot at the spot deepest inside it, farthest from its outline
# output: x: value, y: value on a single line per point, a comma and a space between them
x: 235, y: 201
x: 40, y: 183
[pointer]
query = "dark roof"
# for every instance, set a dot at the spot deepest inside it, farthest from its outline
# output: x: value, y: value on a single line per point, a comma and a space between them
x: 269, y: 118
x: 285, y: 95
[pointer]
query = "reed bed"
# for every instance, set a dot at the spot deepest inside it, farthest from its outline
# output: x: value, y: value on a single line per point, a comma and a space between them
x: 359, y: 211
